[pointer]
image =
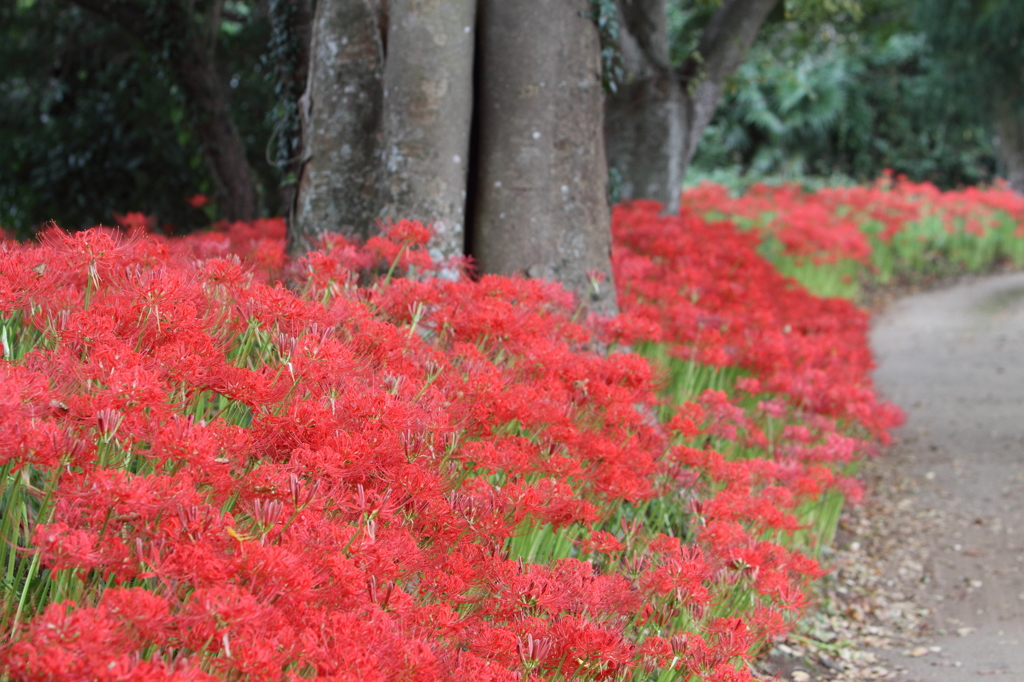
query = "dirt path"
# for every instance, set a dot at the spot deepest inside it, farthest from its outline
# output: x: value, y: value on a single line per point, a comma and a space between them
x: 954, y: 360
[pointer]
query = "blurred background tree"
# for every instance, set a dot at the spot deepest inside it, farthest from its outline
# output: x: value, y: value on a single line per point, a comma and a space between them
x: 94, y: 119
x: 980, y: 46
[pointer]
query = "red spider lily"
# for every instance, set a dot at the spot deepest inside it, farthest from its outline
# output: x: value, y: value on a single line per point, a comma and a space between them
x: 135, y: 220
x: 423, y: 479
x: 825, y: 225
x: 197, y: 200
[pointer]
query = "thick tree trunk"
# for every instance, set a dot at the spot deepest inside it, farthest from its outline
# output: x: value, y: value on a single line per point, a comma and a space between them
x: 651, y: 120
x: 657, y: 118
x: 1010, y: 129
x: 541, y: 204
x: 341, y: 124
x: 645, y: 120
x: 192, y: 59
x: 428, y: 106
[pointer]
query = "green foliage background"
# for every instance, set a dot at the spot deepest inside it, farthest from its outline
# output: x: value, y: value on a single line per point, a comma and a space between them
x: 91, y: 121
x: 842, y: 100
x: 980, y: 44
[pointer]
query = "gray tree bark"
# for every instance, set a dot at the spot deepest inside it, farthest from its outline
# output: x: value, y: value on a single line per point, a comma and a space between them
x: 541, y: 206
x: 657, y: 118
x: 428, y: 106
x: 1010, y: 131
x: 341, y: 124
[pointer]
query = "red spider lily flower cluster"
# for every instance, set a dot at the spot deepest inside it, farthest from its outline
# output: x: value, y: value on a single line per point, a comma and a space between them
x: 829, y: 224
x: 718, y: 302
x: 374, y: 478
x: 197, y: 200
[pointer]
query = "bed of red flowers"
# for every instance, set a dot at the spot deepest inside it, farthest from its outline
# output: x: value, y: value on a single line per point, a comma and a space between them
x: 893, y: 228
x: 209, y: 475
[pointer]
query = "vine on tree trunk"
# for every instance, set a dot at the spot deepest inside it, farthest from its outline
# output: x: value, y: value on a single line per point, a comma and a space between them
x: 285, y: 56
x: 605, y: 14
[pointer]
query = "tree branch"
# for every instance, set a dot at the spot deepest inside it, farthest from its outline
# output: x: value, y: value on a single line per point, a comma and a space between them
x: 726, y: 40
x: 647, y: 23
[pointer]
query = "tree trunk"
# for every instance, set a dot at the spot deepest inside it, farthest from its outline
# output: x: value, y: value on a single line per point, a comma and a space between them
x: 291, y: 31
x: 428, y: 106
x: 541, y: 204
x: 1010, y: 129
x: 657, y: 118
x: 645, y: 118
x: 192, y: 59
x: 222, y: 145
x: 341, y: 124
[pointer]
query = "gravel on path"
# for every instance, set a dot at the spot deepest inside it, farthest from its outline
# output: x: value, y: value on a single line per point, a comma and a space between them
x: 954, y: 359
